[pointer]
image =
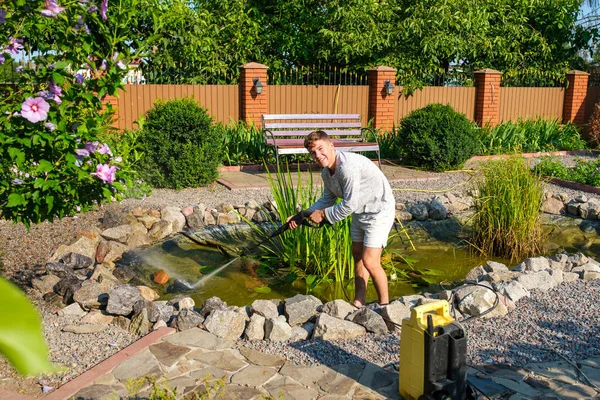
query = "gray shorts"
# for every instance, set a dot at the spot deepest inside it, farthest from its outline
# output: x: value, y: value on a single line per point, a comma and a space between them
x: 372, y: 230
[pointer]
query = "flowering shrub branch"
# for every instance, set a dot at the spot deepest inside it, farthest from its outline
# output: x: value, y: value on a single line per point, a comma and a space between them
x: 52, y: 161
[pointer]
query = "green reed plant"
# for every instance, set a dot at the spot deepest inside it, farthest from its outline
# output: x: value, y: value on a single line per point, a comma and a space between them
x: 507, y: 223
x: 530, y: 135
x: 315, y: 255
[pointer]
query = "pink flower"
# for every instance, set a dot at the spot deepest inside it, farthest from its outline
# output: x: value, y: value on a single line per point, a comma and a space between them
x: 15, y: 45
x: 91, y: 146
x: 104, y: 149
x: 52, y: 9
x: 35, y: 109
x: 106, y: 173
x: 103, y: 9
x: 54, y: 88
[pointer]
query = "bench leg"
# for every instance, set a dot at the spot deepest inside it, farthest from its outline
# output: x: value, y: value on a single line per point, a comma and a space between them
x: 379, y: 159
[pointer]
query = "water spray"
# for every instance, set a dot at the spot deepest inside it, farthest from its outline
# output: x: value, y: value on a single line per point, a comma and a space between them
x: 300, y: 219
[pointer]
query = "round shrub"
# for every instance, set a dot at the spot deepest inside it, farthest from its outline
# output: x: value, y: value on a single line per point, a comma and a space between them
x: 181, y: 146
x: 438, y: 138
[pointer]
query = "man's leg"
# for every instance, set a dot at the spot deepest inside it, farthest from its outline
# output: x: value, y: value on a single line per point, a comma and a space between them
x: 371, y: 259
x: 361, y: 275
x: 367, y: 264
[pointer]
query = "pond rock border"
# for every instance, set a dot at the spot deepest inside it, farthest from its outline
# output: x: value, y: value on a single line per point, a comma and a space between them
x: 83, y: 279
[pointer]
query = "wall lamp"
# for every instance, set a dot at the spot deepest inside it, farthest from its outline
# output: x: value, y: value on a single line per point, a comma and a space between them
x: 258, y: 86
x: 389, y: 87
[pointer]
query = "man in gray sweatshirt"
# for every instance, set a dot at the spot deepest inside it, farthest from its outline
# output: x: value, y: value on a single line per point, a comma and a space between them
x: 367, y: 196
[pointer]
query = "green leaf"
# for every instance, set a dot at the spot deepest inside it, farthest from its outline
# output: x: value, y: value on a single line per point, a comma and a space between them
x: 16, y: 155
x: 45, y: 166
x: 58, y: 78
x: 15, y: 199
x: 50, y: 202
x: 61, y: 65
x: 21, y: 337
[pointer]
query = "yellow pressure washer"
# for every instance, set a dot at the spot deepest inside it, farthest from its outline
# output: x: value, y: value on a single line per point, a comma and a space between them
x: 433, y: 352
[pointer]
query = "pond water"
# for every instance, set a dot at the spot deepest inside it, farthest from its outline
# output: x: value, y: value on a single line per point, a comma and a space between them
x: 441, y: 246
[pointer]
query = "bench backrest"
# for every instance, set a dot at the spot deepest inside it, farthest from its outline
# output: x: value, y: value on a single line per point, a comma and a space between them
x: 290, y: 125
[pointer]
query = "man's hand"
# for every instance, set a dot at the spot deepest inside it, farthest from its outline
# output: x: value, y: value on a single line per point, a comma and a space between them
x: 293, y: 224
x: 317, y: 216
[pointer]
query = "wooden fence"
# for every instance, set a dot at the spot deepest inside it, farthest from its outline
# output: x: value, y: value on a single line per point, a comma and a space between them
x: 222, y: 101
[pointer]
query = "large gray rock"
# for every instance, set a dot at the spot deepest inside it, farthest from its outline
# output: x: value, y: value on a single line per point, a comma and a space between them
x: 266, y: 308
x: 533, y: 264
x: 419, y: 212
x: 115, y: 251
x: 475, y: 274
x: 160, y: 230
x: 515, y: 291
x: 493, y: 266
x: 255, y: 330
x: 188, y: 319
x: 93, y: 294
x: 226, y: 324
x: 196, y: 219
x: 85, y: 245
x: 536, y: 280
x: 214, y: 303
x: 301, y: 308
x: 121, y: 299
x: 117, y: 234
x: 277, y: 329
x: 159, y: 311
x: 338, y: 308
x: 372, y: 321
x: 437, y: 210
x: 330, y: 328
x: 138, y: 235
x: 303, y: 332
x: 553, y: 206
x: 394, y: 313
x: 478, y: 301
x: 174, y: 216
x: 45, y: 284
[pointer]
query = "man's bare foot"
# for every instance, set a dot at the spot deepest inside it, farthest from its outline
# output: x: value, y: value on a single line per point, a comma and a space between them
x: 357, y: 304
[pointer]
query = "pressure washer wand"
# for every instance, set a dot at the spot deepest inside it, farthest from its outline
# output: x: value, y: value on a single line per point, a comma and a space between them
x: 300, y: 219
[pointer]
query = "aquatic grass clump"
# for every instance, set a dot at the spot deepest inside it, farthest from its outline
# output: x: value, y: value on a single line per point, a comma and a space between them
x: 313, y: 254
x: 506, y: 222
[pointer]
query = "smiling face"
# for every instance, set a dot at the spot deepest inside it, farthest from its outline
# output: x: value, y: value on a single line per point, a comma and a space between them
x: 323, y: 152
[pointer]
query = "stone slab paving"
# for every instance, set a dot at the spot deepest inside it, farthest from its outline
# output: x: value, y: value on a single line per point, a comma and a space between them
x: 195, y: 361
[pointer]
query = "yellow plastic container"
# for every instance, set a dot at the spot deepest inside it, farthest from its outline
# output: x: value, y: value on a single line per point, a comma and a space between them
x: 412, y: 346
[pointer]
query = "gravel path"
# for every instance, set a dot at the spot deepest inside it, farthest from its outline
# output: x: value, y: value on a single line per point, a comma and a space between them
x: 24, y: 254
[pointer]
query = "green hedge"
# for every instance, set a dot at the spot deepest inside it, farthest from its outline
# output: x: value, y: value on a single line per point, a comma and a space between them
x: 437, y: 138
x: 182, y: 147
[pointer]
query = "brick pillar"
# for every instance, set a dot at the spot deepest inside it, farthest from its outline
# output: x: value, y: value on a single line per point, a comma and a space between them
x: 487, y: 97
x: 574, y: 106
x: 382, y: 106
x: 253, y: 105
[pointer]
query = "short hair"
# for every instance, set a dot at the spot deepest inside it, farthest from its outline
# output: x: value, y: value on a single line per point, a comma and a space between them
x: 313, y: 137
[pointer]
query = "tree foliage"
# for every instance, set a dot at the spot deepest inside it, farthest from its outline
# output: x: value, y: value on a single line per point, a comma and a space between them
x: 508, y: 35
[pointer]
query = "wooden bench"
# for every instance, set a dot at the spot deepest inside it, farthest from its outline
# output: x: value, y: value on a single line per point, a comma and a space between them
x: 286, y: 132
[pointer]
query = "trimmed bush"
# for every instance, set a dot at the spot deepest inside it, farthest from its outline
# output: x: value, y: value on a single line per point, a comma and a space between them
x: 182, y: 147
x: 438, y: 138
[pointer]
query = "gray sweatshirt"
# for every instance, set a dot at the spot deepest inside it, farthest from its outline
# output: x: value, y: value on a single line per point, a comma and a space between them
x: 360, y: 184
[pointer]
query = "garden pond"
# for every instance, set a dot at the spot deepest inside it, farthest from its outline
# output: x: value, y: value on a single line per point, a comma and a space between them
x: 440, y: 254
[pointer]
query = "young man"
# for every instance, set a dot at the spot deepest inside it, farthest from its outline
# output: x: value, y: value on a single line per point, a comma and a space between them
x: 367, y: 196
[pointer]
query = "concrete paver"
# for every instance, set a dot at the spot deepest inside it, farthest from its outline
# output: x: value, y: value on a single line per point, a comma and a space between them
x: 213, y: 367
